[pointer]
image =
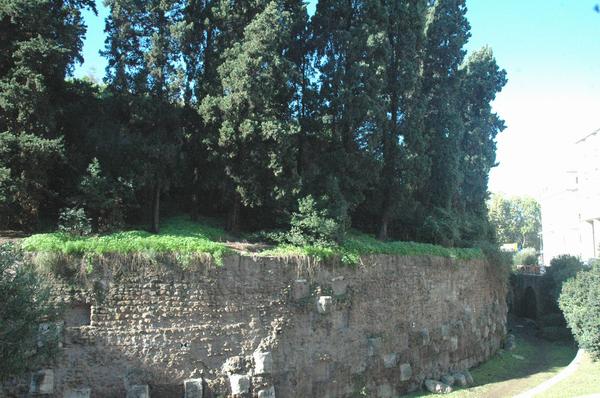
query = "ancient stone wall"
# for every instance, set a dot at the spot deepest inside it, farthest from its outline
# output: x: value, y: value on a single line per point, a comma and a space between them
x: 266, y: 327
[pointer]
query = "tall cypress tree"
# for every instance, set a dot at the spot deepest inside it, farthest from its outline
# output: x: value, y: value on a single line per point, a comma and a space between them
x: 143, y: 52
x: 405, y: 37
x: 481, y: 80
x: 39, y: 41
x: 350, y: 42
x: 447, y: 32
x: 256, y: 123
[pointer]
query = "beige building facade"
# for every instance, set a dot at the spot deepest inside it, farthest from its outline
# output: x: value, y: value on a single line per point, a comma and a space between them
x: 571, y: 206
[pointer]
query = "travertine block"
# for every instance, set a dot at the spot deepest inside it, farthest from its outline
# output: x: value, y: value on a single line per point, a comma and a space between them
x: 263, y: 362
x: 138, y: 391
x: 324, y: 304
x: 193, y: 388
x: 42, y: 382
x: 240, y: 384
x: 300, y: 289
x: 267, y: 393
x: 405, y: 372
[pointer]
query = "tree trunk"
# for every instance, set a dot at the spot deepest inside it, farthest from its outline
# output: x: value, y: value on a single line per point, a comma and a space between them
x: 195, y: 197
x: 156, y: 209
x: 233, y: 218
x: 383, y: 228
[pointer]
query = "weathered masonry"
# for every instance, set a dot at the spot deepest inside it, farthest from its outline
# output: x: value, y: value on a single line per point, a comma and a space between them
x: 270, y: 327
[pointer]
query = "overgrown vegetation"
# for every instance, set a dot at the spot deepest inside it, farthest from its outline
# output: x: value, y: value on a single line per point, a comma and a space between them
x: 28, y: 335
x: 580, y: 303
x: 357, y: 244
x: 370, y: 115
x: 526, y: 256
x: 178, y: 235
x: 183, y: 237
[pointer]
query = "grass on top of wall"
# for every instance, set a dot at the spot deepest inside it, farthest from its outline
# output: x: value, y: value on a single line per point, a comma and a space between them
x: 178, y: 234
x: 358, y: 244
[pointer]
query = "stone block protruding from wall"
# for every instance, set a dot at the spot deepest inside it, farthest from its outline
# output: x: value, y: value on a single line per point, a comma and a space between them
x: 80, y: 392
x: 373, y: 346
x: 324, y: 304
x: 300, y: 289
x: 390, y: 360
x: 42, y: 382
x: 453, y: 343
x: 193, y: 388
x: 240, y: 384
x: 339, y: 285
x: 424, y: 335
x: 138, y: 391
x: 405, y: 372
x: 267, y: 393
x: 263, y: 362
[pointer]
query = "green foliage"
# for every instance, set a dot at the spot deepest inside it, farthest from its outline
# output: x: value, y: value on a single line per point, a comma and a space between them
x: 440, y: 228
x: 516, y: 220
x: 74, y: 222
x: 580, y: 303
x: 255, y: 120
x: 501, y: 261
x: 28, y: 336
x: 39, y: 41
x: 313, y: 226
x: 242, y: 108
x: 177, y: 235
x: 357, y: 244
x: 561, y: 269
x: 26, y: 161
x: 526, y: 256
x: 105, y: 200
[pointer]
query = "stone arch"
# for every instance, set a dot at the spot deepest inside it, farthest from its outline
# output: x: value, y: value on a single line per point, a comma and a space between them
x: 528, y: 307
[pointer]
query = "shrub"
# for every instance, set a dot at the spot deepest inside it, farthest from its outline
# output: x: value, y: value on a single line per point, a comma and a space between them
x: 74, y: 222
x: 104, y: 199
x: 500, y: 260
x: 526, y: 256
x: 312, y: 225
x: 562, y: 268
x: 440, y: 228
x: 28, y: 334
x: 580, y: 303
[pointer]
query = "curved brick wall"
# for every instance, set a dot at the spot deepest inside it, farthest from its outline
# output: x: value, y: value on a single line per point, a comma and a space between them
x: 277, y: 328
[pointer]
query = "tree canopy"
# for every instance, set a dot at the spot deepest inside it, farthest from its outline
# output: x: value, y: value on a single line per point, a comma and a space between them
x: 516, y: 220
x: 369, y: 111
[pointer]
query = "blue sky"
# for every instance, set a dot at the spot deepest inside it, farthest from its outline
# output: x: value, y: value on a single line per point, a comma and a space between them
x: 551, y: 51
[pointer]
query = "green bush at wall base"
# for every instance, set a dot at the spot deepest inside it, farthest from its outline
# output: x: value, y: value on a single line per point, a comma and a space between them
x: 580, y: 303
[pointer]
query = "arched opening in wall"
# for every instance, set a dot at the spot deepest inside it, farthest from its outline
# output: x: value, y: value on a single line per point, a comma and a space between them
x: 528, y: 307
x: 78, y: 314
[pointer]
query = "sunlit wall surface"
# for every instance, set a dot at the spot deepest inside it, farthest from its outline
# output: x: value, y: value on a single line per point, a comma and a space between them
x: 571, y: 206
